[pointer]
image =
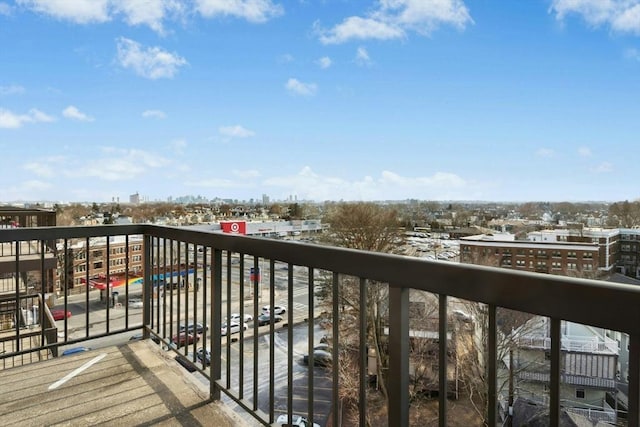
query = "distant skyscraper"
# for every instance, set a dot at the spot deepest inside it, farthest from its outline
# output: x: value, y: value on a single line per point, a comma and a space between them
x: 134, y: 199
x: 265, y: 199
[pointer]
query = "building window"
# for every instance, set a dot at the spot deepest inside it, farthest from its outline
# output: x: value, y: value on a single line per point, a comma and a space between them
x: 571, y: 254
x: 579, y: 393
x: 587, y: 255
x: 572, y: 266
x: 587, y: 267
x: 556, y: 254
x: 556, y: 265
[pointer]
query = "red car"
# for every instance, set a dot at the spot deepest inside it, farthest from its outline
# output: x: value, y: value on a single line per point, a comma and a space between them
x: 60, y: 314
x: 184, y: 338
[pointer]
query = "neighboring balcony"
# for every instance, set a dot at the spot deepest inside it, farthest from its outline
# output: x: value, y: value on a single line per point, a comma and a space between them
x: 193, y: 281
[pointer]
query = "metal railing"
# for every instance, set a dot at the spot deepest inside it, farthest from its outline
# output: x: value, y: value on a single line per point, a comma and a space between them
x: 604, y: 345
x: 253, y: 370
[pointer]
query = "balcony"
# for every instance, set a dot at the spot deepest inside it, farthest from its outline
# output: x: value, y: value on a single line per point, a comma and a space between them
x: 257, y: 372
x: 572, y: 343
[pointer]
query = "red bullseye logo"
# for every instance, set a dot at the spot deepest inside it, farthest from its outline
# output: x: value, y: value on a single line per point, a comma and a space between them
x: 235, y: 227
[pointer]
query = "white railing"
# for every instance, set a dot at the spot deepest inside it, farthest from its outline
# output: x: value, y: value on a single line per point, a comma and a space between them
x: 594, y: 345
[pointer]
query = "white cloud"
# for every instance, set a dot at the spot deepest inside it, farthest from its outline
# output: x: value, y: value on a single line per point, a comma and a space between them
x: 39, y: 116
x: 10, y: 120
x: 78, y: 11
x: 324, y: 62
x: 632, y: 53
x: 47, y: 167
x: 123, y: 164
x: 603, y: 167
x: 362, y: 57
x: 359, y: 28
x: 296, y: 87
x: 251, y: 10
x: 134, y: 12
x: 5, y: 9
x: 71, y: 112
x: 11, y: 90
x: 584, y: 152
x: 545, y: 152
x: 251, y: 173
x: 308, y: 184
x: 286, y: 58
x: 154, y: 114
x: 215, y: 183
x: 178, y: 146
x: 151, y: 13
x: 148, y: 12
x: 392, y: 19
x: 620, y: 15
x: 151, y: 62
x: 236, y: 131
x: 35, y: 185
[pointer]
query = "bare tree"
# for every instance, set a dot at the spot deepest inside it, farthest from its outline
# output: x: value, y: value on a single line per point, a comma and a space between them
x: 371, y: 227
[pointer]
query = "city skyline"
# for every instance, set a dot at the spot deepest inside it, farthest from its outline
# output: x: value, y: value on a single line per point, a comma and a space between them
x: 332, y: 100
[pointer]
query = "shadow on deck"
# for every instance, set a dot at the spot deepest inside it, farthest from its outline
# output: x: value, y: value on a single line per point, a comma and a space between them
x: 132, y: 384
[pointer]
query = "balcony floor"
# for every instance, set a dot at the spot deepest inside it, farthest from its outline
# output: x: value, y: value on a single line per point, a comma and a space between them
x: 132, y: 384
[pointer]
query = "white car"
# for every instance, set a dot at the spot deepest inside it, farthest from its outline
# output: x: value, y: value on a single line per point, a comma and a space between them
x: 234, y: 328
x: 298, y: 421
x: 235, y: 317
x: 277, y: 309
x: 135, y: 303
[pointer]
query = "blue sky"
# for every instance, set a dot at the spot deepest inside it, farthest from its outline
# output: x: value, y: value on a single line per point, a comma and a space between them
x: 320, y: 99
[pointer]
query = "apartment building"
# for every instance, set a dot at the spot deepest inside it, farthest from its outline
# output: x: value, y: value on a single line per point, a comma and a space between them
x: 608, y: 241
x: 96, y: 259
x: 590, y: 356
x: 591, y: 368
x: 552, y: 257
x: 629, y: 260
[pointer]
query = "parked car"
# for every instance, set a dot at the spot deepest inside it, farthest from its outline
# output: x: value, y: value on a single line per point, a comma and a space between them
x: 198, y: 328
x: 204, y: 356
x: 235, y: 317
x: 234, y: 328
x: 60, y: 314
x: 185, y: 338
x: 135, y: 303
x: 320, y: 358
x: 265, y: 318
x: 323, y: 346
x: 296, y: 421
x: 277, y: 309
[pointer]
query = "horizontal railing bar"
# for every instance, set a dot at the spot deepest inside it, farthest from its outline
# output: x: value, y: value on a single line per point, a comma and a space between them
x: 545, y: 295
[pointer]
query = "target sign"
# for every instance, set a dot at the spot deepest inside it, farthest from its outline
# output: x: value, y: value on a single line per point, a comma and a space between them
x: 234, y: 227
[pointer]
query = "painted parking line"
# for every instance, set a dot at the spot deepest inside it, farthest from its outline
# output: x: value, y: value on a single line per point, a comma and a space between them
x: 77, y: 371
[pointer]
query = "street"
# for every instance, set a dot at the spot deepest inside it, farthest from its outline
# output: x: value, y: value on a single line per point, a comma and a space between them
x: 99, y: 319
